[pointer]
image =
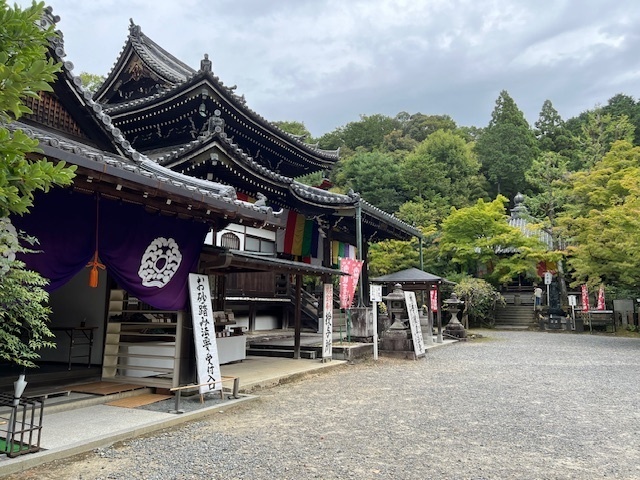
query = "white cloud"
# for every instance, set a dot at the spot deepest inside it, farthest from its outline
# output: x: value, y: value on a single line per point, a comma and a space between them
x: 325, y: 62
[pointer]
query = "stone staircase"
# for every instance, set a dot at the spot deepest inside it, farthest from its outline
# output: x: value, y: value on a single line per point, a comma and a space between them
x: 517, y: 313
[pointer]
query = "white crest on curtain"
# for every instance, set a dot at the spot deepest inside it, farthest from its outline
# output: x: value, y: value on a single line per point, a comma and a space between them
x: 160, y: 262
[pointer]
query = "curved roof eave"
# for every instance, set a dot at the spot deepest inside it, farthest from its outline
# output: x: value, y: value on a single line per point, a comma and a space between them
x: 305, y: 193
x: 83, y: 96
x: 156, y: 58
x: 190, y: 78
x: 146, y: 173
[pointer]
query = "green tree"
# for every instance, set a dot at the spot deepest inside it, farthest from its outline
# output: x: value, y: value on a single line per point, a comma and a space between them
x: 367, y: 133
x: 480, y: 300
x: 620, y: 105
x: 374, y: 175
x: 295, y: 128
x: 598, y: 132
x: 424, y: 212
x: 91, y: 81
x: 551, y: 132
x: 391, y: 256
x: 602, y: 220
x: 548, y: 178
x: 506, y: 148
x: 419, y: 126
x: 23, y: 310
x: 397, y: 141
x: 480, y: 235
x: 24, y: 72
x: 443, y: 168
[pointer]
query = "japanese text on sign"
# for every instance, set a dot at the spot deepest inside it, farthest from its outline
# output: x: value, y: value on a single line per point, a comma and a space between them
x: 327, y: 323
x: 204, y: 333
x: 414, y: 322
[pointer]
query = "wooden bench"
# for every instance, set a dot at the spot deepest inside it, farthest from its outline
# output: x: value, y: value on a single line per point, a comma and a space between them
x: 178, y: 390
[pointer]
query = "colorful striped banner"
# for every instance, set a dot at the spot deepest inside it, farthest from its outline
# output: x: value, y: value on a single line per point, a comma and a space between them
x: 301, y: 237
x: 342, y: 250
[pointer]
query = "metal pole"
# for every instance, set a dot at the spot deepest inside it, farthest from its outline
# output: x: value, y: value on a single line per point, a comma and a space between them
x: 375, y: 330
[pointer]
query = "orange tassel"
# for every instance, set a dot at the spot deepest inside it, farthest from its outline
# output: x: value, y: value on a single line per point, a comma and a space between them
x: 93, y: 274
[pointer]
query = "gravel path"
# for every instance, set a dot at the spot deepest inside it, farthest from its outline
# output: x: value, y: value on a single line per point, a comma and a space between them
x: 514, y: 405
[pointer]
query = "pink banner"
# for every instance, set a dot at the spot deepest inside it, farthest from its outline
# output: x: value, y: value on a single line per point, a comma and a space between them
x: 585, y: 298
x: 601, y: 303
x: 349, y: 282
x: 434, y: 300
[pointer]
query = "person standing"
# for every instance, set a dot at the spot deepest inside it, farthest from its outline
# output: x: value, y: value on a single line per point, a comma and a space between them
x: 537, y: 295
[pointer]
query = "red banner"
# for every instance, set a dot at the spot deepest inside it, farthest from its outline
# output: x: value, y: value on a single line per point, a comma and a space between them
x: 601, y: 303
x: 585, y: 298
x: 349, y: 282
x: 434, y: 300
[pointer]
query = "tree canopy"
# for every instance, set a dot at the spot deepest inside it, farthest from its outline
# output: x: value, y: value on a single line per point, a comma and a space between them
x: 506, y: 148
x: 602, y: 220
x: 24, y: 72
x: 479, y: 237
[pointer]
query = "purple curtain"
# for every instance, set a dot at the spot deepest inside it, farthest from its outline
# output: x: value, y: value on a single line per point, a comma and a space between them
x: 65, y: 225
x: 148, y: 255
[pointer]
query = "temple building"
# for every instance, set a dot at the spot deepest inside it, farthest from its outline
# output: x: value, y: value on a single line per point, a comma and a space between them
x: 176, y: 175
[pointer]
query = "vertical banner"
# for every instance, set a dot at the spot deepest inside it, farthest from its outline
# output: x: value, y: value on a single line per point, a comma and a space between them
x: 601, y: 302
x: 327, y: 322
x: 585, y: 299
x: 204, y: 333
x: 414, y: 323
x: 434, y: 299
x: 349, y: 282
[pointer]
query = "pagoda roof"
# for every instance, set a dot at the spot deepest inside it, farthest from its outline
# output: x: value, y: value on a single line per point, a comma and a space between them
x: 124, y: 173
x: 164, y: 85
x: 215, y: 153
x: 169, y: 69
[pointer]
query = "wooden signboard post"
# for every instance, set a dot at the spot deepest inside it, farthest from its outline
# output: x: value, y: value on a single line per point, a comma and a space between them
x: 204, y: 334
x: 327, y: 323
x: 414, y: 323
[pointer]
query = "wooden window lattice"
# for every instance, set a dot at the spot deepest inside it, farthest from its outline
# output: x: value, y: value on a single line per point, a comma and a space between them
x: 47, y: 110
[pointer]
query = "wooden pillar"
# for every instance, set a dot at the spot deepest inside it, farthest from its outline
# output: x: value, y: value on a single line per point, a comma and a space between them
x: 297, y: 317
x: 365, y: 271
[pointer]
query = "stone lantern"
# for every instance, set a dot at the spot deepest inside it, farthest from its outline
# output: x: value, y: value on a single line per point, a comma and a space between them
x: 396, y: 308
x: 397, y: 340
x: 454, y: 328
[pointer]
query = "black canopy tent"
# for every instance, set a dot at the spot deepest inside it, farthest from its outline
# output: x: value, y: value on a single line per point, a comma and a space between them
x: 418, y: 280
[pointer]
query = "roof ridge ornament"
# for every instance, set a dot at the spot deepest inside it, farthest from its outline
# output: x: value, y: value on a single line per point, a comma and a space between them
x: 134, y: 30
x: 261, y: 203
x: 206, y: 65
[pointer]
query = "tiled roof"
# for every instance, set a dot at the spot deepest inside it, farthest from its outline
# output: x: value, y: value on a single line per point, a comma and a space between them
x: 180, y: 74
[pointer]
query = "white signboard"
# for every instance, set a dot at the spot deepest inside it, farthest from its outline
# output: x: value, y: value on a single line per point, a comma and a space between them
x: 375, y: 293
x: 327, y: 321
x: 414, y: 323
x: 572, y: 300
x: 204, y: 333
x: 548, y: 277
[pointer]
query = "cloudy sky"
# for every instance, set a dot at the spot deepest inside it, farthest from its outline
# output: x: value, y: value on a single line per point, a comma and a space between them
x: 326, y: 62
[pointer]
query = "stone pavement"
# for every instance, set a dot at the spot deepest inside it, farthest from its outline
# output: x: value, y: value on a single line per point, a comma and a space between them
x: 84, y: 425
